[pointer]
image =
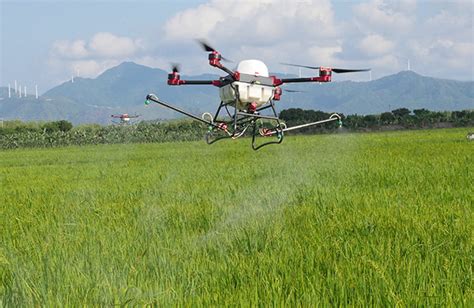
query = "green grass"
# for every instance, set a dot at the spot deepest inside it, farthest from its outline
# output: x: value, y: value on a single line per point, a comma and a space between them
x: 359, y: 219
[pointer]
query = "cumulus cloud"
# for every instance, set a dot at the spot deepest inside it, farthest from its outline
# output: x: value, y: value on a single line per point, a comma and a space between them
x: 381, y: 34
x: 111, y: 46
x: 71, y: 50
x: 383, y: 30
x: 272, y: 30
x: 92, y: 57
x: 375, y: 44
x: 248, y: 20
x: 101, y: 45
x: 385, y: 16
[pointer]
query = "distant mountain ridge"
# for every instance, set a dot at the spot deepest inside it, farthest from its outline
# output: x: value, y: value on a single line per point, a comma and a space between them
x: 122, y: 89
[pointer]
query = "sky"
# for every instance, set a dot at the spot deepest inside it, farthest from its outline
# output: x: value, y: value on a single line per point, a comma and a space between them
x: 45, y: 42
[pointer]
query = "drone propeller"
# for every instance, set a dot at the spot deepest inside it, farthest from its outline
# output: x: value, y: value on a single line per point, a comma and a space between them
x: 206, y: 46
x: 335, y: 70
x: 175, y: 67
x: 209, y: 48
x: 345, y: 70
x: 293, y: 91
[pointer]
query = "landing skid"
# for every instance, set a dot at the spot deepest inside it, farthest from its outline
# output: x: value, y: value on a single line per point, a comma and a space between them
x: 233, y: 125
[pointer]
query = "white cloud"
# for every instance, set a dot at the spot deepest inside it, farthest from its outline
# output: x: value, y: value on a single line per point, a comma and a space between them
x: 436, y: 41
x: 70, y: 50
x: 270, y: 30
x: 193, y: 23
x: 385, y: 16
x: 90, y: 58
x: 375, y: 45
x: 102, y: 44
x: 381, y: 34
x: 325, y: 55
x: 111, y: 46
x: 243, y: 21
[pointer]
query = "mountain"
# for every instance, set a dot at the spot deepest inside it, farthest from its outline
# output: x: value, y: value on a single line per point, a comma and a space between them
x: 122, y: 89
x: 405, y: 89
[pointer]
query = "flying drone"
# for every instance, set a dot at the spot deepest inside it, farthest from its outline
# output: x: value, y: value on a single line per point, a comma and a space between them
x: 124, y: 118
x: 244, y: 94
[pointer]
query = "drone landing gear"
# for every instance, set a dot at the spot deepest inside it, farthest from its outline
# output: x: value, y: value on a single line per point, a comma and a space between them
x: 235, y: 124
x: 241, y: 122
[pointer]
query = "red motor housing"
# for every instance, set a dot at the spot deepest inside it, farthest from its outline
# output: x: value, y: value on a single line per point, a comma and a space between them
x: 215, y: 59
x: 174, y: 79
x: 325, y: 74
x: 277, y: 94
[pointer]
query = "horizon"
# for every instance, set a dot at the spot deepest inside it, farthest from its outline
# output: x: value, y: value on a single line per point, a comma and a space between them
x: 216, y: 74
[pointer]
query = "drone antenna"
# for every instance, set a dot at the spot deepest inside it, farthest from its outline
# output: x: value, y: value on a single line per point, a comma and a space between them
x: 9, y: 91
x: 15, y: 87
x: 24, y: 88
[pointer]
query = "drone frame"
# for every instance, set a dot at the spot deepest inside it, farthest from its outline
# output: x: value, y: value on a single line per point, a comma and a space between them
x: 239, y: 122
x: 235, y: 124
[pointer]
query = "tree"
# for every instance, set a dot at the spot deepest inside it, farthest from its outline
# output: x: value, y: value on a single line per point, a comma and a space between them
x: 55, y: 126
x: 421, y: 113
x: 370, y: 120
x: 387, y: 118
x: 64, y: 125
x: 401, y: 112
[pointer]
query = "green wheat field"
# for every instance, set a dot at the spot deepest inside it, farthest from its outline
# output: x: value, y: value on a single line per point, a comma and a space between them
x: 374, y: 219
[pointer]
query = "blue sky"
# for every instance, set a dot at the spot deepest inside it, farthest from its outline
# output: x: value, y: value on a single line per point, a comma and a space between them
x: 45, y: 42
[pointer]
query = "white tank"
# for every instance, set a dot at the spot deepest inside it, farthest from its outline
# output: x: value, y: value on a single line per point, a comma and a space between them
x: 249, y: 87
x: 253, y: 67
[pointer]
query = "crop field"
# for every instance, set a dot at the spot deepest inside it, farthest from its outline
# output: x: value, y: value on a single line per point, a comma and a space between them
x: 373, y: 219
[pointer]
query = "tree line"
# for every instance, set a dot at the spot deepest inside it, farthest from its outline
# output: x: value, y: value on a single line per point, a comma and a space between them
x: 401, y: 118
x: 18, y: 134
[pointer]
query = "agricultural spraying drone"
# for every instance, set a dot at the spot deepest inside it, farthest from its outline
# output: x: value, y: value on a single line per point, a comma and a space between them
x: 124, y: 118
x: 248, y: 90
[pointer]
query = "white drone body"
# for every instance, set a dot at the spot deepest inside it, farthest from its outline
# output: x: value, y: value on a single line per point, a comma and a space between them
x: 250, y: 92
x: 253, y: 86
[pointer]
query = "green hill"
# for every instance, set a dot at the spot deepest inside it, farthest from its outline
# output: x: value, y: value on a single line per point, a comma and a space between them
x: 122, y: 89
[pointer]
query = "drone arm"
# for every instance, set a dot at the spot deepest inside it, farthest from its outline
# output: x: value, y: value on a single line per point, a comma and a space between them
x: 305, y: 79
x: 179, y: 82
x: 215, y: 61
x: 197, y: 82
x: 225, y: 69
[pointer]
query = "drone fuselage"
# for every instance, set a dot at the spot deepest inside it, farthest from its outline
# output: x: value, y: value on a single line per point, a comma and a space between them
x: 252, y: 86
x: 252, y: 93
x: 248, y: 92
